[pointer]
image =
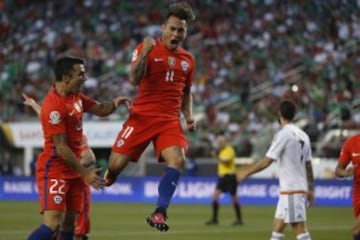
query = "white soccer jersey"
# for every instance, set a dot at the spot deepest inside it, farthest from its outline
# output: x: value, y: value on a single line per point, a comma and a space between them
x: 291, y: 149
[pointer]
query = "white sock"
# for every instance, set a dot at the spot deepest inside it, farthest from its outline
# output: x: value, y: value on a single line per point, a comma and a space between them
x: 303, y: 236
x: 277, y: 236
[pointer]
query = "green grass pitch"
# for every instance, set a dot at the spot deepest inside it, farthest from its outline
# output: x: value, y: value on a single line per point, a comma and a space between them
x: 126, y: 221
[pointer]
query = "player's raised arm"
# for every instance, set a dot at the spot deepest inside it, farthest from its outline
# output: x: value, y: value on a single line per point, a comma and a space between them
x: 138, y: 69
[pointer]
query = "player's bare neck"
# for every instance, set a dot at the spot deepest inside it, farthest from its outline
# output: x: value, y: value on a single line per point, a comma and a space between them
x: 60, y: 89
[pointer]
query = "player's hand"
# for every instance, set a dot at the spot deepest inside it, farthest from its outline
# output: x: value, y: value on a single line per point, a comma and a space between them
x: 240, y: 175
x: 28, y: 100
x: 123, y: 100
x: 349, y: 172
x: 148, y: 44
x: 310, y: 198
x: 92, y: 177
x: 191, y: 125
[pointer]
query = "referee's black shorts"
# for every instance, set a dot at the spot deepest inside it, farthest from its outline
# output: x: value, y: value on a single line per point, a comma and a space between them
x: 227, y: 183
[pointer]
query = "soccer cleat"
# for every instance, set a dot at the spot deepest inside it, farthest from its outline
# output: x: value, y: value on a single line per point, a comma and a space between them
x: 211, y: 222
x: 158, y: 220
x: 108, y: 179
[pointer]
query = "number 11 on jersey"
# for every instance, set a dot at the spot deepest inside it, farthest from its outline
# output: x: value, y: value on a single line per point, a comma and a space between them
x: 169, y: 75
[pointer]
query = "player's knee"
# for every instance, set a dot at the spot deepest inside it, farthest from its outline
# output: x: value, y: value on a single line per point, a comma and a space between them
x: 356, y: 230
x: 177, y: 162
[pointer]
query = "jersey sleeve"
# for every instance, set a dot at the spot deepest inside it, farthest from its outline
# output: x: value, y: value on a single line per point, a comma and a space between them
x: 87, y: 102
x: 345, y: 154
x: 53, y: 117
x: 276, y: 146
x: 135, y: 53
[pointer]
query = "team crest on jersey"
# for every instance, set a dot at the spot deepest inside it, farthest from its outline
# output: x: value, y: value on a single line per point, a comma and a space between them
x: 171, y: 61
x: 55, y: 117
x: 134, y: 55
x: 184, y: 66
x: 57, y: 199
x: 120, y: 143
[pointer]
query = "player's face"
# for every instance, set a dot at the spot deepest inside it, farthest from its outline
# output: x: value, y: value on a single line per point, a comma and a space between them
x: 173, y: 32
x: 77, y: 79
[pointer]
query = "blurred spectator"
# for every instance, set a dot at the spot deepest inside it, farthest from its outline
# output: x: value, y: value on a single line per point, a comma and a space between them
x: 6, y: 167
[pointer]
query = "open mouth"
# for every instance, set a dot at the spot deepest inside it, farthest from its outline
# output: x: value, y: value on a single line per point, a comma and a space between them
x: 174, y: 42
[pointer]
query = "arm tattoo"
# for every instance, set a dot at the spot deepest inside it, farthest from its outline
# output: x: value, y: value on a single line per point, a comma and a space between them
x: 139, y: 69
x: 106, y: 108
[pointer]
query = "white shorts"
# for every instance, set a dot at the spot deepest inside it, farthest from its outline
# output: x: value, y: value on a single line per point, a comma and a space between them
x: 291, y: 207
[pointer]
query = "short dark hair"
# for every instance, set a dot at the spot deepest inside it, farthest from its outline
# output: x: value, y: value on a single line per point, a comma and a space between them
x: 287, y: 109
x: 64, y: 66
x: 181, y: 10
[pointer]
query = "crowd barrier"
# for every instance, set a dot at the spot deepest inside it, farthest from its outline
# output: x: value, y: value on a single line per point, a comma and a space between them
x: 190, y: 190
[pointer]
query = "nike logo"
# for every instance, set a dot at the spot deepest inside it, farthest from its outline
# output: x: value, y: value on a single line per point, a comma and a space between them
x: 173, y: 183
x: 71, y: 113
x: 158, y: 59
x: 354, y: 154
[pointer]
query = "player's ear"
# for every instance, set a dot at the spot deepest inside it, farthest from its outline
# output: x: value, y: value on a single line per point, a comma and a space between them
x: 65, y: 78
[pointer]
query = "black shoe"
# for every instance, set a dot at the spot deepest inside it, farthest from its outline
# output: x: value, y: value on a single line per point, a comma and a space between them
x: 238, y: 223
x: 212, y: 222
x: 158, y: 220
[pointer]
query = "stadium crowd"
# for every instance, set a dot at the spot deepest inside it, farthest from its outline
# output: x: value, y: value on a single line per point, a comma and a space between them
x: 249, y: 54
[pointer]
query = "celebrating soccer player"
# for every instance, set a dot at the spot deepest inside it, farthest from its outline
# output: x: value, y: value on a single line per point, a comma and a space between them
x: 87, y: 159
x: 59, y: 173
x: 164, y: 72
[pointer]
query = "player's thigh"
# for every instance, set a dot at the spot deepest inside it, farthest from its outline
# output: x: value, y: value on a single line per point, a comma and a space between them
x: 132, y: 140
x: 174, y: 156
x: 53, y: 218
x: 170, y: 143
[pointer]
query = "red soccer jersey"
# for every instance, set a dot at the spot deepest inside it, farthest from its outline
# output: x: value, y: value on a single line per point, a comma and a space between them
x: 168, y: 73
x: 61, y: 115
x: 351, y: 153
